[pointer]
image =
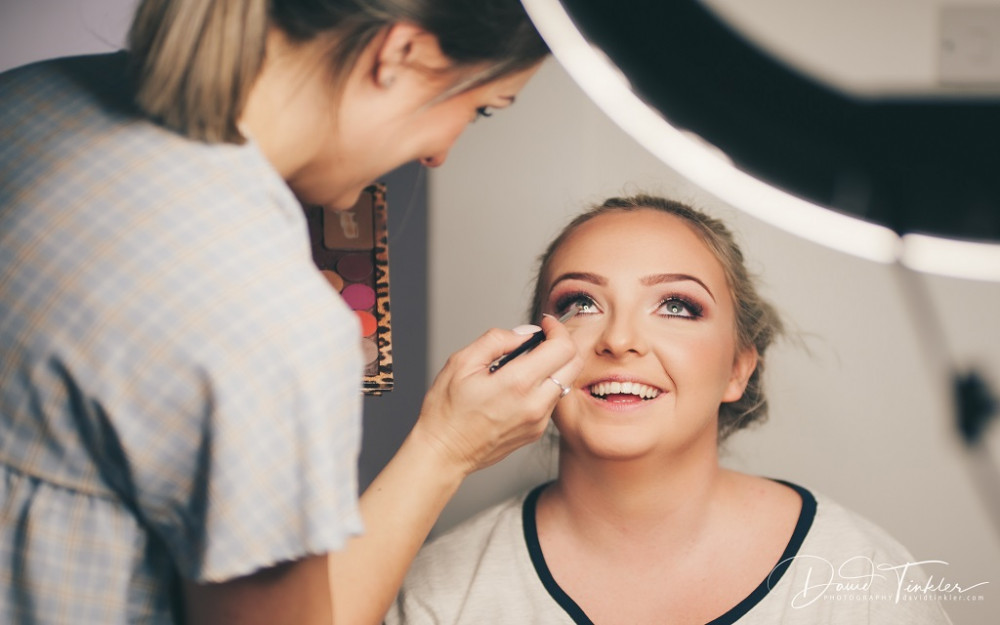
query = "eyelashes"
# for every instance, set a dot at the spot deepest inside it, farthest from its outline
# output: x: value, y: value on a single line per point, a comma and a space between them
x: 677, y: 306
x: 670, y: 306
x: 584, y: 302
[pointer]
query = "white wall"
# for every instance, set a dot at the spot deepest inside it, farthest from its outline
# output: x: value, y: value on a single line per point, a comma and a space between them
x: 860, y: 412
x: 880, y: 46
x: 31, y: 30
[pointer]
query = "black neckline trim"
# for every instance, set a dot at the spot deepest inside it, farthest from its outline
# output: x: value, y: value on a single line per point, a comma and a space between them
x: 802, y: 526
x: 538, y: 559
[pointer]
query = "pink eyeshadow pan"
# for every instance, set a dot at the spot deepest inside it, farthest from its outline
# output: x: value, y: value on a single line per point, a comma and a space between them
x: 359, y: 296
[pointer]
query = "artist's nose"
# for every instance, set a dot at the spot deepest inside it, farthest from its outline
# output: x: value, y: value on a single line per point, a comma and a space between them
x: 434, y: 160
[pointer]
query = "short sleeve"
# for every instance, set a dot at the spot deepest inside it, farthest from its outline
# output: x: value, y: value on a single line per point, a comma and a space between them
x: 260, y: 466
x: 245, y: 454
x: 179, y: 387
x: 224, y: 369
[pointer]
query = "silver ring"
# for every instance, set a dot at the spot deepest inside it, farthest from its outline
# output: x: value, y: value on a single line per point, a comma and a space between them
x: 565, y: 389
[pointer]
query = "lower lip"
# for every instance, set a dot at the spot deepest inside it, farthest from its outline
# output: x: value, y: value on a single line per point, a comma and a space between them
x: 622, y: 403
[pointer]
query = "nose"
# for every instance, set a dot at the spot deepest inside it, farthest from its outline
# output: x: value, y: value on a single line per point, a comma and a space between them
x: 434, y: 160
x: 620, y: 337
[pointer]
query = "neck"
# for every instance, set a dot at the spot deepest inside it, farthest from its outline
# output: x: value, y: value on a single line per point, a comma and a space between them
x: 637, y: 498
x: 287, y: 108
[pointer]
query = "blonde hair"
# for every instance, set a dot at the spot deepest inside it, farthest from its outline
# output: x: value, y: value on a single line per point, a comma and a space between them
x: 195, y: 61
x: 757, y: 321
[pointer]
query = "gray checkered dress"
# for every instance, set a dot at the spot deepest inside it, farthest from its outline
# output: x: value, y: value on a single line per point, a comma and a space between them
x: 179, y: 387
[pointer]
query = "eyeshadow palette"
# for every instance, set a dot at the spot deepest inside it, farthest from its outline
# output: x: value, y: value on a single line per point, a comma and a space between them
x: 351, y: 249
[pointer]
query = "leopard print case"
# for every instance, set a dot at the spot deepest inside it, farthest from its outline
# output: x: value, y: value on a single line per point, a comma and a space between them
x: 351, y: 249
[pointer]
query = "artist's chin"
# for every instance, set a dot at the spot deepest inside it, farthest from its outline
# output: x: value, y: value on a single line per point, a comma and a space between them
x: 346, y: 200
x: 340, y: 202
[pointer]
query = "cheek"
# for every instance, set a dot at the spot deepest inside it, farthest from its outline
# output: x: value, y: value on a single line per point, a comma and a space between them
x: 585, y: 334
x: 703, y: 361
x: 567, y: 417
x: 452, y: 130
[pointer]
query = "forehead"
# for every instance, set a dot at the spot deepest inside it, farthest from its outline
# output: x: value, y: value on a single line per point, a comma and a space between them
x: 641, y: 242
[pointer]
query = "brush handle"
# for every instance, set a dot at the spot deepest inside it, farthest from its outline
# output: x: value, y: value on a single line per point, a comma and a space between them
x: 533, y: 341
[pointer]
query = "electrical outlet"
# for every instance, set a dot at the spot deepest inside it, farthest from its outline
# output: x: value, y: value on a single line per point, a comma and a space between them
x: 969, y: 53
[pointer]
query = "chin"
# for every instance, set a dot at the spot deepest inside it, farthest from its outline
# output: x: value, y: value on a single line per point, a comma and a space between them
x: 344, y: 201
x: 333, y: 199
x: 615, y: 446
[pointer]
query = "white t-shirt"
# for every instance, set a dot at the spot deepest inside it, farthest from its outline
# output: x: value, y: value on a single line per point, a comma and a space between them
x: 837, y: 568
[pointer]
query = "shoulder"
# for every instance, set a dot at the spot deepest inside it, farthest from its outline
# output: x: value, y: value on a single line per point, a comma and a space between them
x: 471, y: 569
x: 852, y: 569
x: 55, y: 93
x: 480, y: 572
x: 827, y: 526
x: 838, y: 527
x: 848, y: 569
x: 461, y: 546
x: 73, y: 119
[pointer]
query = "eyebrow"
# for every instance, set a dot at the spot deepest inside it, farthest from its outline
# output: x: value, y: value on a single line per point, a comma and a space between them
x: 593, y: 278
x: 661, y: 278
x: 658, y: 278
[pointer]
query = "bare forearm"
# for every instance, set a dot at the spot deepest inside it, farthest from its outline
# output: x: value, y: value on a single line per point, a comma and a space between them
x: 469, y: 419
x: 399, y: 510
x: 291, y: 593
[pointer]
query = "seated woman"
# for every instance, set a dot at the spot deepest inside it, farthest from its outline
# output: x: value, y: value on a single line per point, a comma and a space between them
x: 642, y: 524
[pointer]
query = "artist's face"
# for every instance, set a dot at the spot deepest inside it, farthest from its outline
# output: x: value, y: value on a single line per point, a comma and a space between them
x: 404, y: 122
x: 656, y: 332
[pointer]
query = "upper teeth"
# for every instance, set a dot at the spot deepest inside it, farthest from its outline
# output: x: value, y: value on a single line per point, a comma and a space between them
x: 624, y: 388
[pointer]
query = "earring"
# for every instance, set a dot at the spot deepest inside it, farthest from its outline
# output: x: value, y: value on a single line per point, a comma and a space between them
x: 386, y: 81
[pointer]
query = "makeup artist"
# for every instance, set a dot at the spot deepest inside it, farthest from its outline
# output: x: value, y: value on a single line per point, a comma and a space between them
x: 179, y: 386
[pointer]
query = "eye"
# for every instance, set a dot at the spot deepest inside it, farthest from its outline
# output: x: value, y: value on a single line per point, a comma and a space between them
x: 484, y: 111
x: 584, y: 302
x: 674, y: 306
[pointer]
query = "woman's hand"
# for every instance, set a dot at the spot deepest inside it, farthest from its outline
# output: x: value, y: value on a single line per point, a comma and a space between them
x: 470, y: 419
x: 476, y: 418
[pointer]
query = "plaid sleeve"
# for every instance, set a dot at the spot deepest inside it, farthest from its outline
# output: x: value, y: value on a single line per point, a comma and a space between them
x: 190, y: 363
x: 179, y: 388
x: 257, y: 463
x: 244, y: 452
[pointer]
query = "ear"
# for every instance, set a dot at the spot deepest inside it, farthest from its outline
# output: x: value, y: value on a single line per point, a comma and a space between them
x: 743, y: 367
x: 406, y: 46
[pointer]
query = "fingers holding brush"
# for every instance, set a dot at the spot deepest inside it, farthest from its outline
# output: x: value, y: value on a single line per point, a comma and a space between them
x: 478, y: 417
x: 560, y: 378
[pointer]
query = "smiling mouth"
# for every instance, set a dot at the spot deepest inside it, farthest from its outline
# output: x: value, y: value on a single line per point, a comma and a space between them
x: 611, y: 391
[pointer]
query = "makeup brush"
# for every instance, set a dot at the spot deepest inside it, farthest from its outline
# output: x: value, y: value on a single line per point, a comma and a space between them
x: 533, y: 341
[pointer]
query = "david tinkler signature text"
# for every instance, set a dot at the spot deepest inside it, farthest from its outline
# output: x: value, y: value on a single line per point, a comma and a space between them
x: 863, y: 576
